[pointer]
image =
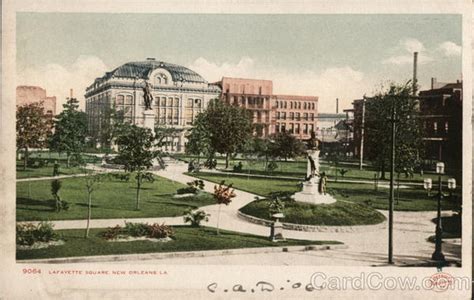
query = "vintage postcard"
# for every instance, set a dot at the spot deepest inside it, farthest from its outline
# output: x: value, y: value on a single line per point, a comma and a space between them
x: 236, y: 149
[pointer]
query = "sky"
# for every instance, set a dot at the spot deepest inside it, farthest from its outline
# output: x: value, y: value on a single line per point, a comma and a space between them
x: 329, y: 56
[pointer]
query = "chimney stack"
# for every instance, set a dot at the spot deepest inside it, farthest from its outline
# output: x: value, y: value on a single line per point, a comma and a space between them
x: 70, y: 94
x: 415, y: 62
x: 433, y: 83
x: 337, y: 105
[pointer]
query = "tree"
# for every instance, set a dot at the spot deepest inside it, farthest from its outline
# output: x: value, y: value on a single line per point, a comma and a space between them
x: 199, y: 138
x: 136, y: 152
x: 228, y: 128
x: 286, y: 145
x: 70, y: 130
x: 409, y: 143
x: 111, y: 120
x: 33, y: 128
x: 223, y: 195
x: 91, y: 181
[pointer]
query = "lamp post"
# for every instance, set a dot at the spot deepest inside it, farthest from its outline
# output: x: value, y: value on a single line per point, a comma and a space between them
x: 427, y: 185
x: 438, y: 253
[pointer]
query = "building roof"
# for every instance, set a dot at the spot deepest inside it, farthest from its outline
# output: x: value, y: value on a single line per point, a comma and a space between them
x: 141, y: 70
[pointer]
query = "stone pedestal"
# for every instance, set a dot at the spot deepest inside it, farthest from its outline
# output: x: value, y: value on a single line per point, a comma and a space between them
x: 276, y: 231
x: 149, y: 120
x: 310, y: 192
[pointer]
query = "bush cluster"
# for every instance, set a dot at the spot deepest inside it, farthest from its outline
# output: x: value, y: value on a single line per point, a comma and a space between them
x: 157, y: 231
x: 28, y: 234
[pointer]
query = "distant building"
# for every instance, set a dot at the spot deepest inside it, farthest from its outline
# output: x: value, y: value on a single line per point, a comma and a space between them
x: 179, y: 95
x: 296, y: 114
x: 34, y: 94
x: 441, y: 114
x: 271, y: 113
x: 254, y: 95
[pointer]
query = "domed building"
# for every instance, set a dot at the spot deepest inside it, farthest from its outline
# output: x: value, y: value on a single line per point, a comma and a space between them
x: 179, y: 94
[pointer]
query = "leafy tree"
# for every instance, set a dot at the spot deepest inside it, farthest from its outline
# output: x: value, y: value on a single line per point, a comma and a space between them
x: 195, y: 217
x: 199, y: 138
x: 33, y: 128
x: 136, y: 152
x: 111, y: 121
x: 70, y: 130
x: 228, y: 128
x: 409, y: 143
x: 286, y: 146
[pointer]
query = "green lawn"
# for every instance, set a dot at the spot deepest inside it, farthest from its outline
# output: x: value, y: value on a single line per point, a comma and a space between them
x: 410, y: 199
x: 186, y: 239
x: 111, y: 199
x: 45, y: 171
x: 339, y: 213
x: 297, y: 169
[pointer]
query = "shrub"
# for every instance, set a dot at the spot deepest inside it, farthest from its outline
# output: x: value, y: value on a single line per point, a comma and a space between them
x: 272, y: 166
x: 238, y: 167
x: 112, y: 233
x: 276, y: 206
x: 28, y: 234
x: 136, y: 229
x: 158, y: 231
x: 192, y: 188
x: 195, y: 217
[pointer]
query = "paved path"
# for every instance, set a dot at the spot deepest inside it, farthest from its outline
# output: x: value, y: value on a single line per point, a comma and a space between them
x: 411, y: 229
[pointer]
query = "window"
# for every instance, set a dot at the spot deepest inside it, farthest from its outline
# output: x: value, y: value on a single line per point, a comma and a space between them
x: 305, y: 116
x: 291, y: 105
x: 297, y: 116
x: 285, y: 104
x: 128, y: 100
x: 292, y: 116
x: 278, y: 115
x: 120, y: 99
x: 435, y: 126
x: 292, y: 128
x: 297, y: 130
x: 283, y: 115
x: 277, y: 127
x: 305, y: 128
x: 446, y: 127
x: 276, y: 104
x: 304, y: 106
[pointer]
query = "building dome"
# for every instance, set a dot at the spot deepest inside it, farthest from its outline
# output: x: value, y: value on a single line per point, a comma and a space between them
x: 142, y: 70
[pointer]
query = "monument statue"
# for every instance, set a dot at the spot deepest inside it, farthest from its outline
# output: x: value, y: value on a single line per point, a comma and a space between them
x: 313, y: 156
x: 147, y: 96
x: 314, y: 186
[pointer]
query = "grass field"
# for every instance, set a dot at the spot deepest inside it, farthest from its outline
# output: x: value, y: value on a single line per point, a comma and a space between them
x: 297, y: 169
x: 339, y: 213
x: 409, y: 199
x: 47, y: 170
x: 186, y: 239
x: 112, y: 199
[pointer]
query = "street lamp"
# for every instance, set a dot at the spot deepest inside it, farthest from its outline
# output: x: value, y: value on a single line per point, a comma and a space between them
x: 427, y: 185
x: 438, y: 253
x: 451, y: 186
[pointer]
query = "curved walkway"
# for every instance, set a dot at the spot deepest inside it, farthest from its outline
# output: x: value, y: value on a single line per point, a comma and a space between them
x: 411, y: 229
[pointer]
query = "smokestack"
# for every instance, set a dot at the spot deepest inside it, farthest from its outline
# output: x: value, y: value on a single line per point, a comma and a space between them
x: 337, y: 105
x: 433, y: 83
x: 70, y: 93
x: 415, y: 62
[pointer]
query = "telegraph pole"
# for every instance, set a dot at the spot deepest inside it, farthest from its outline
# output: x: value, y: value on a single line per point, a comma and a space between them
x: 393, y: 120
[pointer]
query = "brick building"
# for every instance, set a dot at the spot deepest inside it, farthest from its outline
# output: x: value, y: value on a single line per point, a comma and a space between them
x: 440, y: 110
x: 31, y: 94
x: 254, y: 95
x: 272, y: 113
x: 296, y: 114
x: 441, y: 114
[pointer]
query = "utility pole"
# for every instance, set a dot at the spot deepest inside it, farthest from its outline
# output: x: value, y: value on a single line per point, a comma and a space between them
x: 393, y: 120
x: 362, y: 132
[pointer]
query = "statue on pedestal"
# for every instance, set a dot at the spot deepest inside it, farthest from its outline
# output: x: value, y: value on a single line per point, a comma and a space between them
x: 147, y: 96
x: 313, y: 156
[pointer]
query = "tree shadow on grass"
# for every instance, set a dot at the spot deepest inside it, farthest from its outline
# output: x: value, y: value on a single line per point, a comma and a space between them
x: 180, y: 204
x: 51, y: 204
x: 86, y: 205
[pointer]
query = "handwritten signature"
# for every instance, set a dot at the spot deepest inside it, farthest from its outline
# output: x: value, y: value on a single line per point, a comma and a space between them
x: 261, y: 286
